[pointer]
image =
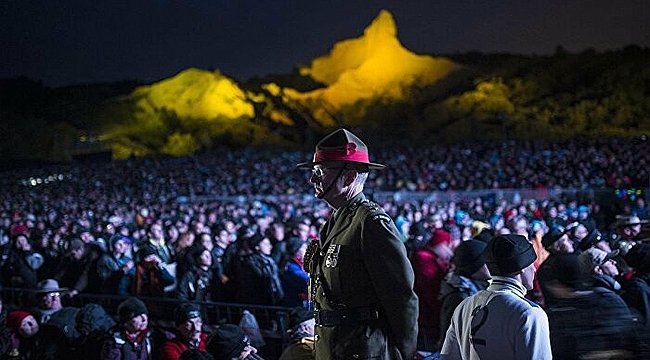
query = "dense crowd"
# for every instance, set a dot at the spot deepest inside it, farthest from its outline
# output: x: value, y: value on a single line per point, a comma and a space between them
x: 233, y: 226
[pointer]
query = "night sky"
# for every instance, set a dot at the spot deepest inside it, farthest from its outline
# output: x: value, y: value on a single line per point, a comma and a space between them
x: 63, y: 42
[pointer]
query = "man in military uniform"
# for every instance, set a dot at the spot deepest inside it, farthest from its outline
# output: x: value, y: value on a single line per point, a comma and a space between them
x: 361, y: 278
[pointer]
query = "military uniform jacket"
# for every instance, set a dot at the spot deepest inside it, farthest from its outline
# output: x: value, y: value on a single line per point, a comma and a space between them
x: 361, y: 262
x: 498, y: 323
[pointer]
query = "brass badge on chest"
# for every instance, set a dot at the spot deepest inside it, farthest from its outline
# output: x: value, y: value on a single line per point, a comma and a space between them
x: 332, y: 256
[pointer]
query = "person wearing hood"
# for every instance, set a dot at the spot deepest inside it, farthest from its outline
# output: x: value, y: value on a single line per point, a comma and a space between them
x: 21, y: 268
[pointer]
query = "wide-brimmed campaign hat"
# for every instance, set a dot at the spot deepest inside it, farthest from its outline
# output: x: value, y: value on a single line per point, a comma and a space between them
x: 624, y: 221
x: 341, y: 146
x: 49, y: 286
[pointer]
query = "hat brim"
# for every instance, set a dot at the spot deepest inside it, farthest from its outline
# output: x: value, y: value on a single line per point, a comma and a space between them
x: 370, y: 165
x: 47, y: 291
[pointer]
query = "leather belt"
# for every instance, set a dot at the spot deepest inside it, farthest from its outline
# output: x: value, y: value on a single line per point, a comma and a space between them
x: 347, y: 316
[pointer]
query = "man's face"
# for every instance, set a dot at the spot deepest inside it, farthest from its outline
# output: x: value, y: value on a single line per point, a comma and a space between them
x: 120, y: 246
x: 156, y: 231
x: 323, y: 178
x: 265, y: 247
x: 191, y: 329
x: 564, y: 245
x: 51, y: 301
x: 137, y: 323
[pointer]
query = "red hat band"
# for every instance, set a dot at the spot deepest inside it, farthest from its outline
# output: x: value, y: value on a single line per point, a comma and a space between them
x: 349, y: 153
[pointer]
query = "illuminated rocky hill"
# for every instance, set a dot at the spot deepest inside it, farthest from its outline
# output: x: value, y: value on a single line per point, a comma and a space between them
x: 197, y: 107
x: 374, y: 65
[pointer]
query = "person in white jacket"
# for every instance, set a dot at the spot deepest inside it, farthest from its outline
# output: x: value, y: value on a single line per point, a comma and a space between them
x: 499, y: 322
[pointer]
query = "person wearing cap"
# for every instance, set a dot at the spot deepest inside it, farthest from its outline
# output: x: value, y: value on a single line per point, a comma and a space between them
x: 555, y: 241
x: 587, y: 321
x: 229, y: 342
x: 48, y: 299
x: 629, y: 228
x: 600, y: 266
x: 301, y: 334
x: 362, y: 280
x: 23, y: 329
x: 131, y: 338
x: 499, y: 322
x: 467, y: 275
x: 188, y: 333
x: 115, y: 268
x: 294, y: 278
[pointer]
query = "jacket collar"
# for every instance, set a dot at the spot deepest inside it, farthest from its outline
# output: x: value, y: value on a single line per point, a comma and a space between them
x: 503, y: 283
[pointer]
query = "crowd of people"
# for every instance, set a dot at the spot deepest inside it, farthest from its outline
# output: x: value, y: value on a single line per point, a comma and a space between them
x: 235, y: 226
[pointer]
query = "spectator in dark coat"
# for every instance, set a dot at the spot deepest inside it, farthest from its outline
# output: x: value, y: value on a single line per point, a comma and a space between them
x: 229, y: 342
x: 587, y: 322
x: 468, y: 274
x: 259, y: 282
x: 556, y: 241
x: 116, y: 269
x: 151, y: 277
x: 294, y: 277
x: 636, y: 290
x: 197, y: 282
x: 600, y: 268
x: 21, y: 268
x: 131, y: 339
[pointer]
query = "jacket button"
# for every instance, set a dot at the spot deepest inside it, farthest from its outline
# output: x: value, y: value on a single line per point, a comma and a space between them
x: 316, y: 337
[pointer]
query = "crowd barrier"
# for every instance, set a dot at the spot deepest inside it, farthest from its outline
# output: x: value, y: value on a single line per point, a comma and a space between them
x: 272, y: 320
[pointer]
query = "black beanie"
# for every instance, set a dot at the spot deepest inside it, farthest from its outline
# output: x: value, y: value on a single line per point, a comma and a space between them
x: 508, y: 254
x: 568, y: 272
x: 130, y: 308
x: 186, y: 311
x: 293, y: 245
x: 227, y: 342
x: 469, y: 256
x: 299, y: 314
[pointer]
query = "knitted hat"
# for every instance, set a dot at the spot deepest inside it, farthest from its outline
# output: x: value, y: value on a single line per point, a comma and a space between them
x: 341, y: 146
x: 508, y: 254
x: 186, y: 311
x: 117, y: 237
x: 440, y: 237
x: 568, y: 271
x: 255, y: 240
x: 15, y: 319
x: 130, y: 308
x: 638, y: 257
x: 469, y: 256
x: 227, y: 342
x: 145, y: 251
x: 299, y: 314
x: 293, y: 245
